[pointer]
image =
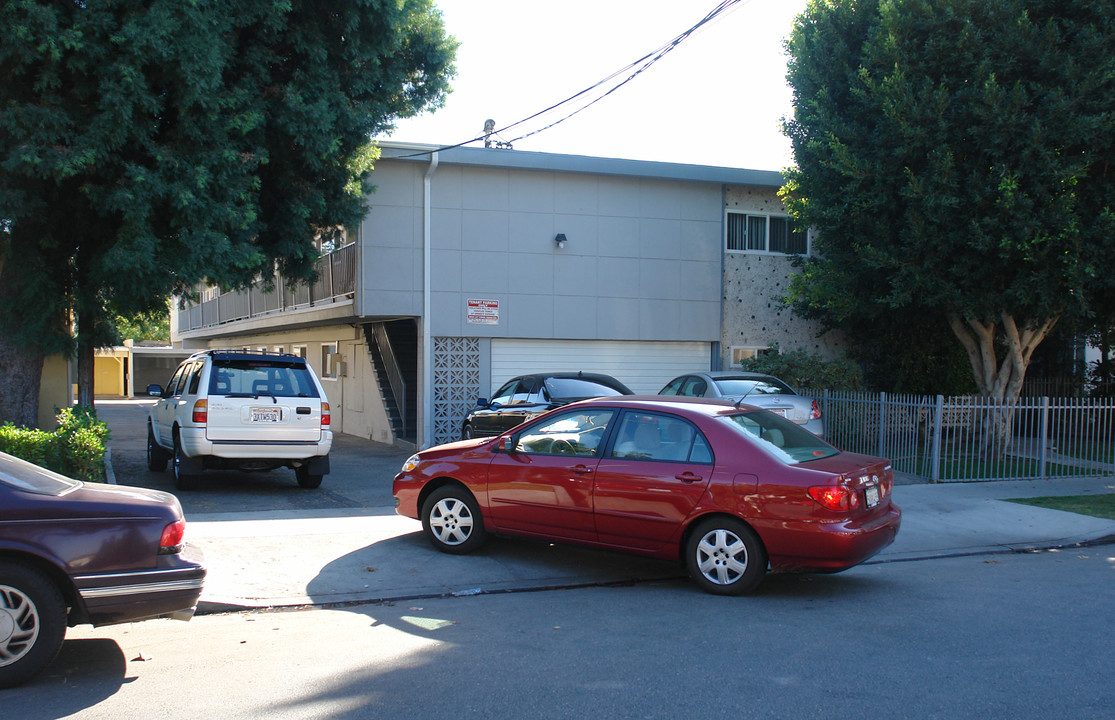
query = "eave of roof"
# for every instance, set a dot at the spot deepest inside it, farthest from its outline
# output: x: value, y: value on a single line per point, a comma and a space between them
x: 553, y: 162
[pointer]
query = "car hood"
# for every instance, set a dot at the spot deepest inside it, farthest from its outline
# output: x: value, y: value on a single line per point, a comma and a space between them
x: 456, y: 447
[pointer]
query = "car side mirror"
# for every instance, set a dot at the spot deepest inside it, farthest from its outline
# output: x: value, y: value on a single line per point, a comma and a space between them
x: 155, y: 390
x: 481, y: 402
x: 507, y: 444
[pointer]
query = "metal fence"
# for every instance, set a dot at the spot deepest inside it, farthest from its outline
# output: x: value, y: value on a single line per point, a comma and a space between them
x: 974, y: 438
x: 336, y: 279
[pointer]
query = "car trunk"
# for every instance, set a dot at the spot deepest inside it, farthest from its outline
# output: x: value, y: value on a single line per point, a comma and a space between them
x: 264, y: 418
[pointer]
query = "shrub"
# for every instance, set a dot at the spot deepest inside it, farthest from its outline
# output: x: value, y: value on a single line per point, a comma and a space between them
x: 806, y: 370
x: 75, y: 449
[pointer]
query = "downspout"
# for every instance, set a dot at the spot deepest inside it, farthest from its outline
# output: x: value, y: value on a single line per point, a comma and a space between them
x: 426, y: 437
x: 715, y: 362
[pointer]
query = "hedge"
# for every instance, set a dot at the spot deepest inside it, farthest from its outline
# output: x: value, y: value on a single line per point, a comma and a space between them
x: 76, y: 449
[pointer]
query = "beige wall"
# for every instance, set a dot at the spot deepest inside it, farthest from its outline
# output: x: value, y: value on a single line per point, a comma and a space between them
x: 108, y: 375
x: 55, y: 390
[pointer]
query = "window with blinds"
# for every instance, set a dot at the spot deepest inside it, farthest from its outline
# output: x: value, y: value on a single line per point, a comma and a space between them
x: 764, y: 233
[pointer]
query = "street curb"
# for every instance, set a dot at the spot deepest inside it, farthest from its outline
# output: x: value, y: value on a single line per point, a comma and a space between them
x: 110, y: 474
x: 1006, y: 549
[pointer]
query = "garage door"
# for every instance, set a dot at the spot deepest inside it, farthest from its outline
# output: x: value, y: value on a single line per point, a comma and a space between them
x: 642, y: 366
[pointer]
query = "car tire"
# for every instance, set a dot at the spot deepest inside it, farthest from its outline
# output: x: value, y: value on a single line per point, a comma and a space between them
x: 451, y: 520
x: 32, y: 622
x: 156, y: 456
x: 724, y: 556
x: 182, y: 480
x: 466, y: 432
x: 306, y: 479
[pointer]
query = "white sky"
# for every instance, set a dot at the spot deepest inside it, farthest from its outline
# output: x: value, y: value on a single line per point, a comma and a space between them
x: 716, y: 99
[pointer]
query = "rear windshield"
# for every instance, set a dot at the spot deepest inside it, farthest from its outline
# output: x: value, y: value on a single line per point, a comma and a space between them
x: 742, y: 386
x: 578, y: 388
x: 31, y: 478
x: 252, y: 378
x: 780, y: 437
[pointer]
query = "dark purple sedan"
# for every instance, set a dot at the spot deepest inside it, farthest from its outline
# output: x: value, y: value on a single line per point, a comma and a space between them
x: 74, y: 553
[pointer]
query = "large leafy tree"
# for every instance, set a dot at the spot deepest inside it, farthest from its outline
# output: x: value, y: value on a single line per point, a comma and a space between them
x: 954, y: 157
x: 147, y: 145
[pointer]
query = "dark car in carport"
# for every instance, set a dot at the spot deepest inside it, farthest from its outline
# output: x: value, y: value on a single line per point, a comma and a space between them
x: 527, y: 396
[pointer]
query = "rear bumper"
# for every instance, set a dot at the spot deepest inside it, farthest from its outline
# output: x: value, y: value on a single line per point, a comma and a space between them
x: 170, y: 590
x: 195, y: 444
x: 828, y: 547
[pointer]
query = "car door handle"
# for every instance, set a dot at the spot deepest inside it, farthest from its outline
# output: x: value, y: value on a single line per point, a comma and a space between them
x: 688, y: 477
x: 580, y: 469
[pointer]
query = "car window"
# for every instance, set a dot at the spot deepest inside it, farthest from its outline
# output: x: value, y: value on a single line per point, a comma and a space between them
x: 742, y: 386
x: 672, y: 387
x: 780, y: 437
x: 194, y: 379
x: 573, y: 433
x: 693, y: 387
x: 504, y: 394
x: 578, y: 388
x: 239, y: 377
x: 28, y: 477
x: 174, y: 379
x: 653, y: 436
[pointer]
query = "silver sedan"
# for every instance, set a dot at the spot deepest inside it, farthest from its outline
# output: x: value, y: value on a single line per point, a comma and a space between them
x: 765, y: 391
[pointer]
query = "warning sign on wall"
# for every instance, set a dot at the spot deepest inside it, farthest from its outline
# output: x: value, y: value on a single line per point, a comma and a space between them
x: 483, y: 312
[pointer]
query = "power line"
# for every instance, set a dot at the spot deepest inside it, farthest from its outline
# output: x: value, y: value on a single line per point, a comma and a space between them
x: 635, y: 69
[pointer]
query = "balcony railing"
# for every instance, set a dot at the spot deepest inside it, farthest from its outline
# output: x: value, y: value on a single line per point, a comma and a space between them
x: 336, y: 281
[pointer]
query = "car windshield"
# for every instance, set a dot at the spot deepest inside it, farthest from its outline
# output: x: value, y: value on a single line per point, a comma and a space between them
x: 250, y: 378
x: 780, y: 437
x: 752, y: 386
x: 31, y: 478
x: 578, y: 388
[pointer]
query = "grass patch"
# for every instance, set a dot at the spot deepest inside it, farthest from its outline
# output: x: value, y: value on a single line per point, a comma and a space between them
x: 1102, y: 506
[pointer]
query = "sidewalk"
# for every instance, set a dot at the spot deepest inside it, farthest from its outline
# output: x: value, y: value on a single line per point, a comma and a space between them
x: 275, y: 560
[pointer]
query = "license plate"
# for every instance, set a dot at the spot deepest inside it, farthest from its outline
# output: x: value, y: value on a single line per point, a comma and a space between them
x: 872, y: 492
x: 265, y: 415
x: 779, y: 411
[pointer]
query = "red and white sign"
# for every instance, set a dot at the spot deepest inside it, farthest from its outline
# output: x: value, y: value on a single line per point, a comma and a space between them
x: 483, y: 312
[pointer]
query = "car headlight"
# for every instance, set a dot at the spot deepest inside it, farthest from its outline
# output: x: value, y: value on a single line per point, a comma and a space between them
x: 411, y: 463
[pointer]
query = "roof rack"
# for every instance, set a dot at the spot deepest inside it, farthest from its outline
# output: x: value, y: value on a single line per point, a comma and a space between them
x: 243, y: 351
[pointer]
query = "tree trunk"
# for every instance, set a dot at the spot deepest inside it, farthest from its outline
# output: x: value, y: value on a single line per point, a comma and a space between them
x: 86, y: 353
x: 21, y: 367
x: 999, y: 380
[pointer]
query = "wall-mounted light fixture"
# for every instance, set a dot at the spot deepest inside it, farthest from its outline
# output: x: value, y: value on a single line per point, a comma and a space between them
x: 560, y: 240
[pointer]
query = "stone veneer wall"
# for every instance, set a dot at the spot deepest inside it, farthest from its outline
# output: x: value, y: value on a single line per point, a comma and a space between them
x: 753, y: 284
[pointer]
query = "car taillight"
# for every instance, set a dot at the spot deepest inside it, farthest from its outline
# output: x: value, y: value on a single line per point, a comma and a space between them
x: 324, y: 414
x: 201, y: 411
x: 816, y: 414
x: 171, y: 540
x: 835, y: 497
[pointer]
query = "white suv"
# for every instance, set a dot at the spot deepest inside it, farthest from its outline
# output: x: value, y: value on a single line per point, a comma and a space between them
x: 242, y: 410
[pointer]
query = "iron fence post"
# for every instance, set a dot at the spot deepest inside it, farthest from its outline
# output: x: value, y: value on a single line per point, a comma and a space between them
x: 1043, y: 443
x: 935, y: 458
x: 882, y: 423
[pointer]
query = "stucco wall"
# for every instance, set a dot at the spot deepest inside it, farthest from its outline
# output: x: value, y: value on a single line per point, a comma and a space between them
x: 754, y: 282
x: 642, y: 259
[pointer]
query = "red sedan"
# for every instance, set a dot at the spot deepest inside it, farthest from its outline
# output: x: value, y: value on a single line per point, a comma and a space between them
x: 727, y: 490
